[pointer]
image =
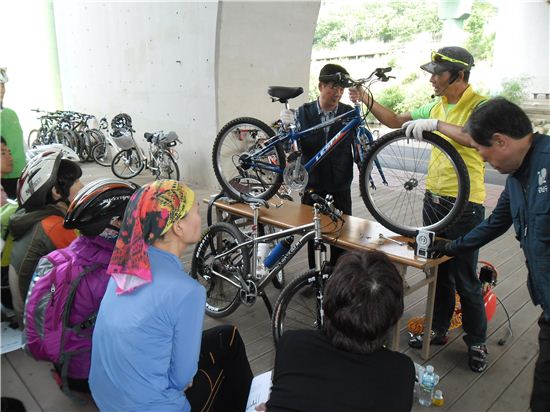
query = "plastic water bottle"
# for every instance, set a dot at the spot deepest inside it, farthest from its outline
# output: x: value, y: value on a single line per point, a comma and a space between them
x: 278, y: 251
x: 427, y: 385
x: 263, y: 251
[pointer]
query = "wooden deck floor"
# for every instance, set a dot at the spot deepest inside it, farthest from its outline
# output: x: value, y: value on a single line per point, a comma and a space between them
x: 504, y: 386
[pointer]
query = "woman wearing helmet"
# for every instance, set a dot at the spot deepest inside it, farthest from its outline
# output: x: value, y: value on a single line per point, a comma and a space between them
x: 96, y: 212
x: 46, y: 187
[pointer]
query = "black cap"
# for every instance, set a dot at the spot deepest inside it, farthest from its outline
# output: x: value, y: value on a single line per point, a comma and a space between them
x: 333, y: 73
x: 449, y: 58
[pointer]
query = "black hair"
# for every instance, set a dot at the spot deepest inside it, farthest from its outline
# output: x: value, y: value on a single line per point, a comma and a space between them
x: 68, y: 173
x: 497, y: 115
x: 363, y: 300
x: 4, y: 140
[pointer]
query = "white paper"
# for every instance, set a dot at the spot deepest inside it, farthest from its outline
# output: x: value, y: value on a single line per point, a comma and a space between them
x: 259, y: 391
x: 12, y: 339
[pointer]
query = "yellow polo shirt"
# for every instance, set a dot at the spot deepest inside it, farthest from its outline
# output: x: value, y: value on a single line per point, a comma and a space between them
x: 441, y: 176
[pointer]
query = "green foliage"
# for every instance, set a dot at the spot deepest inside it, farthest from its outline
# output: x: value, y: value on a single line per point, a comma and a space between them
x: 391, y: 97
x: 397, y: 20
x: 480, y: 40
x: 514, y: 89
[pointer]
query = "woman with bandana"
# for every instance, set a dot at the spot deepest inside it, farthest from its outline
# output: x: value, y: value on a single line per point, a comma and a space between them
x: 148, y: 351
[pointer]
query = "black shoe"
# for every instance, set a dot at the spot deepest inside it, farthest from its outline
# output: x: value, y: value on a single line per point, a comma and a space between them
x: 477, y: 358
x: 436, y: 338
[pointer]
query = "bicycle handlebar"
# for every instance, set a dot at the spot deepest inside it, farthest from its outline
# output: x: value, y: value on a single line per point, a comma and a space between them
x: 327, y: 206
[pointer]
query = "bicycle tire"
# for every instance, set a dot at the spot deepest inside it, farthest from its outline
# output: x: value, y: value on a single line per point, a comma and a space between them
x: 103, y: 154
x: 399, y: 206
x: 33, y: 138
x: 222, y: 297
x: 130, y: 164
x: 237, y: 178
x: 298, y: 306
x: 167, y: 167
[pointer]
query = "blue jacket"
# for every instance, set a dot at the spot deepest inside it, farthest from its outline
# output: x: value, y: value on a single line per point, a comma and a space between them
x: 526, y: 205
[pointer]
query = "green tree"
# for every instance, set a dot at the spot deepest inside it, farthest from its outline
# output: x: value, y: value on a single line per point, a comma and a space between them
x: 480, y: 40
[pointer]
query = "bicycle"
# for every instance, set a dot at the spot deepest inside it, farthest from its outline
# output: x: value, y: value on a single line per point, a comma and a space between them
x: 249, y: 157
x: 131, y: 160
x: 221, y: 263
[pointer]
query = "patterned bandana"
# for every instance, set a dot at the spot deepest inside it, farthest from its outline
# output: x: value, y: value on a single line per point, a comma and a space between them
x: 151, y: 212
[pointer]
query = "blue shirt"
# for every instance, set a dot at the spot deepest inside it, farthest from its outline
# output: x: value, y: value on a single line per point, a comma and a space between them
x: 146, y: 343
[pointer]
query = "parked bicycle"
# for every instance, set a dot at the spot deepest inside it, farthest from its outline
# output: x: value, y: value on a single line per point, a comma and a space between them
x: 249, y: 157
x: 226, y: 262
x: 104, y: 151
x: 160, y: 158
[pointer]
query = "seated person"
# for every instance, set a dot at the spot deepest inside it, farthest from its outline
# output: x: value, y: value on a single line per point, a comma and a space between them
x: 147, y: 353
x: 46, y: 187
x: 96, y: 212
x: 345, y: 366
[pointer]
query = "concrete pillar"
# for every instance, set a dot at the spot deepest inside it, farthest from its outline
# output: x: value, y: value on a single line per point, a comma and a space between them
x: 522, y: 43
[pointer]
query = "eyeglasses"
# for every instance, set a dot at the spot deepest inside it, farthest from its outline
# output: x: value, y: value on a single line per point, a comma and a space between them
x: 438, y: 58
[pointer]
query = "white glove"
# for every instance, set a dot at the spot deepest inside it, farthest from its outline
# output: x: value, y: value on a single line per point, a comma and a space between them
x: 415, y: 128
x: 287, y: 116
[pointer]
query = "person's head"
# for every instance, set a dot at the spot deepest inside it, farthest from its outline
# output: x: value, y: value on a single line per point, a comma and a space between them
x: 7, y: 158
x: 331, y: 85
x: 3, y: 80
x: 501, y: 133
x: 450, y: 68
x: 48, y: 179
x: 163, y: 214
x: 363, y: 300
x: 99, y: 205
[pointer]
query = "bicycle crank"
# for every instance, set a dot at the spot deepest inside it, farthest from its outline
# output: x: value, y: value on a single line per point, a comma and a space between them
x: 248, y: 296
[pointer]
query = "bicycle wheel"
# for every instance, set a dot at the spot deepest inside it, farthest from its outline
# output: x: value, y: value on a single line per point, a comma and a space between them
x: 299, y: 306
x: 222, y: 296
x: 103, y: 154
x: 167, y: 167
x: 127, y: 164
x: 399, y: 205
x: 34, y: 138
x: 236, y: 170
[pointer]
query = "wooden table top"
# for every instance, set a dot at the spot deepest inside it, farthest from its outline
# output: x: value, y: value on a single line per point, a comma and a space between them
x: 356, y: 233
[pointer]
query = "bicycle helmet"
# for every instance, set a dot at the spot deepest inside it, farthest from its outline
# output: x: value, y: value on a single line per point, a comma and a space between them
x: 66, y: 151
x: 97, y: 203
x: 121, y: 120
x: 37, y: 179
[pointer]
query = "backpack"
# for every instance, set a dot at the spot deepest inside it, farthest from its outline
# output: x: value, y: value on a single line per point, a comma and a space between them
x: 47, y: 312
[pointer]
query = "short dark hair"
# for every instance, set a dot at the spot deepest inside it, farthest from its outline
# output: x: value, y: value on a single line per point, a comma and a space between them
x: 4, y: 140
x: 363, y: 300
x: 68, y: 173
x: 330, y: 69
x: 497, y: 115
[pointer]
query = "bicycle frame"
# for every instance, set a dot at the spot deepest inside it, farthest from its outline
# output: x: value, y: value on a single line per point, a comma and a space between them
x: 354, y: 121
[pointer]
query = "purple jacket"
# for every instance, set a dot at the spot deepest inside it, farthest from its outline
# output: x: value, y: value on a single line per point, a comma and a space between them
x: 86, y: 251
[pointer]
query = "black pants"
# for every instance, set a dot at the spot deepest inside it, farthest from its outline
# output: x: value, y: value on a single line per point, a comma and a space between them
x: 342, y: 201
x: 460, y: 275
x: 540, y: 396
x: 222, y: 382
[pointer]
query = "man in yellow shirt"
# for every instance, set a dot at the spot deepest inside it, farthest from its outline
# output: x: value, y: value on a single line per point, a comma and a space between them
x: 450, y: 71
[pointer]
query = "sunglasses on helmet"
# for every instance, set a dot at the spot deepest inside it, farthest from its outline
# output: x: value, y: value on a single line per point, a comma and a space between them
x: 441, y: 58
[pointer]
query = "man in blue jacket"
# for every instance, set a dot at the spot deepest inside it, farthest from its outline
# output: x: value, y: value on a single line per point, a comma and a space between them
x: 502, y: 134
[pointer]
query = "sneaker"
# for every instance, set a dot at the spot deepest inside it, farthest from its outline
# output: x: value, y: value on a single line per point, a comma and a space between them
x: 436, y: 338
x: 477, y: 358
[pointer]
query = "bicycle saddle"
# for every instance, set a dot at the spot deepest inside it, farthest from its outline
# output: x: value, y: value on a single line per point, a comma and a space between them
x: 148, y: 136
x: 283, y: 93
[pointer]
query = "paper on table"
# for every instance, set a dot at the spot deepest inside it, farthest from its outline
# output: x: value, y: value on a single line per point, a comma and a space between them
x: 11, y: 338
x: 259, y: 391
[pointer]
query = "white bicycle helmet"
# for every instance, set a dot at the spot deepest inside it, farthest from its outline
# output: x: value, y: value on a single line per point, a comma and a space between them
x: 66, y: 151
x: 3, y: 75
x: 37, y: 179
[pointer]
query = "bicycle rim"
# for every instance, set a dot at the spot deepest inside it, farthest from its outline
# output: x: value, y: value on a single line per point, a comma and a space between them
x: 401, y: 204
x: 298, y: 306
x: 222, y: 297
x: 167, y: 167
x: 103, y: 154
x: 127, y: 164
x: 234, y: 143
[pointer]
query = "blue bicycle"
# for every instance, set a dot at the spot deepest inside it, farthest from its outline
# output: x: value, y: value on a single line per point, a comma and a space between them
x: 250, y: 158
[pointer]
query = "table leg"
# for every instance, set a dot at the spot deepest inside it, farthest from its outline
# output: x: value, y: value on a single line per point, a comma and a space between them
x: 432, y: 275
x: 402, y: 269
